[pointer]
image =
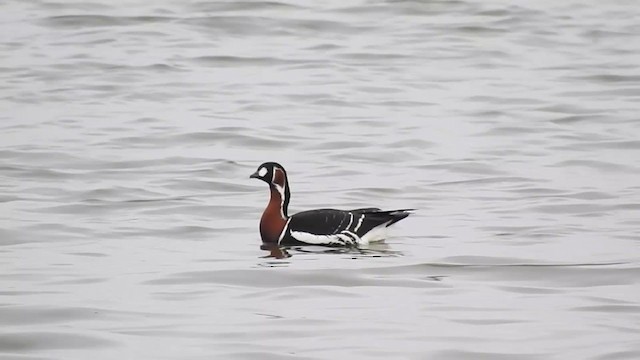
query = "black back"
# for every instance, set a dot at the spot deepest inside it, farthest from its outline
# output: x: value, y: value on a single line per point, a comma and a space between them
x: 332, y: 221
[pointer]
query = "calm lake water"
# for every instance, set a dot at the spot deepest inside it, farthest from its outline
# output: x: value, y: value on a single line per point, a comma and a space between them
x: 129, y: 226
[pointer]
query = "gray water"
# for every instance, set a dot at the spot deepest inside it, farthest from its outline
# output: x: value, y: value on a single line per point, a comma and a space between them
x: 128, y: 223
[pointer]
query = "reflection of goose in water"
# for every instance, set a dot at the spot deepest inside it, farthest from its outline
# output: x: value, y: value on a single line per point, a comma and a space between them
x: 275, y: 251
x: 327, y: 227
x: 379, y: 250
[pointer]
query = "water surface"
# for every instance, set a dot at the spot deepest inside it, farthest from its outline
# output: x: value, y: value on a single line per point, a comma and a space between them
x: 128, y: 223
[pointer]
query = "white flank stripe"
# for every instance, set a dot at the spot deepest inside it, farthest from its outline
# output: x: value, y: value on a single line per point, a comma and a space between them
x: 317, y: 239
x: 356, y: 238
x: 350, y: 220
x: 359, y: 223
x: 344, y: 238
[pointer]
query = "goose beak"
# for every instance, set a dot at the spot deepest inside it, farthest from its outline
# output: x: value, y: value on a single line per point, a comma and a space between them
x: 254, y: 175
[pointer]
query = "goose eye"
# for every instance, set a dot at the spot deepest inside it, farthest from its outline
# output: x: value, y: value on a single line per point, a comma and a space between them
x: 262, y: 172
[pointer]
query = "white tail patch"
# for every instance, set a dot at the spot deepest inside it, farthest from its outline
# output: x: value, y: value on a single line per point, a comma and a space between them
x: 376, y: 234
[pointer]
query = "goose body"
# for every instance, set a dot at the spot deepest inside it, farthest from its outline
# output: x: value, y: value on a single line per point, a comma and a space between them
x: 328, y: 227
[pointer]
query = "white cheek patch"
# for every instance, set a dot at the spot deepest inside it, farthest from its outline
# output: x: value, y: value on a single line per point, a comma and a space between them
x: 262, y: 172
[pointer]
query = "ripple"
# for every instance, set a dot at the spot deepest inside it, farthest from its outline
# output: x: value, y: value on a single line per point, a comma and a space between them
x: 620, y: 355
x: 234, y: 61
x: 491, y: 180
x: 242, y: 5
x: 476, y: 355
x: 78, y: 21
x: 219, y: 137
x: 265, y: 278
x: 611, y: 308
x: 39, y: 341
x: 30, y: 315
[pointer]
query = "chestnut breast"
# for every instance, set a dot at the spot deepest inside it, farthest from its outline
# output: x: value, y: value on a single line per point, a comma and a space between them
x: 272, y: 222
